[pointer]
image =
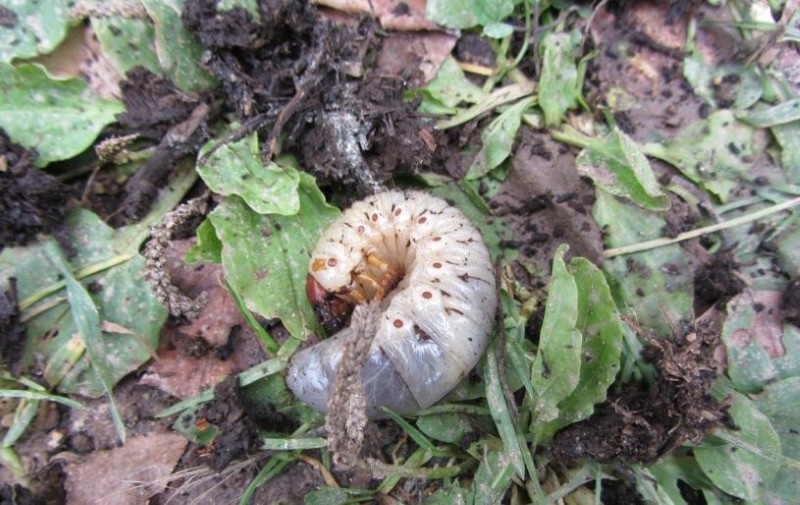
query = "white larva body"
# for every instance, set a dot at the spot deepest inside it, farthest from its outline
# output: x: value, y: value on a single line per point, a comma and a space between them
x: 436, y: 322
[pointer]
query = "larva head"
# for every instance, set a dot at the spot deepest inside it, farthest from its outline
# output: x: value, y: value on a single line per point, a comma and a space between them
x: 331, y: 311
x: 331, y: 265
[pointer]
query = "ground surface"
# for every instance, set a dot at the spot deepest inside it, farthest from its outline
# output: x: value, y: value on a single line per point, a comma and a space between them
x: 334, y: 98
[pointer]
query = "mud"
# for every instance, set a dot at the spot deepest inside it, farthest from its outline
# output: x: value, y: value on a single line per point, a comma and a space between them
x: 641, y: 423
x: 32, y: 202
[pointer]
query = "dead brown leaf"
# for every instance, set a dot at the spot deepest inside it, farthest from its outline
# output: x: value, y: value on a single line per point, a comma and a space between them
x: 767, y: 327
x: 129, y: 474
x: 393, y: 15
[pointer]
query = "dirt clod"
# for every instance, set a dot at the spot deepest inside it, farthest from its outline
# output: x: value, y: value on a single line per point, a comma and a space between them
x: 642, y: 423
x: 238, y: 433
x: 31, y: 200
x: 12, y: 344
x: 717, y: 281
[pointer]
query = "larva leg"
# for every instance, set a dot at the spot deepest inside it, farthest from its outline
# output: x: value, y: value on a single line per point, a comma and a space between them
x: 428, y: 266
x: 387, y: 275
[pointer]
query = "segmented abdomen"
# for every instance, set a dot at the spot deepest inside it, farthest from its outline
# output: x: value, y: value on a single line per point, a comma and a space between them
x: 429, y: 268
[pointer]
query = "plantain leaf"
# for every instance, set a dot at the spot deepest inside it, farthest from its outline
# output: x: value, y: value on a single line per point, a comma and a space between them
x: 654, y: 286
x: 715, y: 153
x: 178, y: 51
x: 87, y: 322
x: 266, y: 256
x: 601, y: 328
x: 558, y: 87
x: 59, y: 118
x: 556, y: 369
x: 236, y: 169
x: 746, y: 465
x: 617, y: 164
x: 33, y: 28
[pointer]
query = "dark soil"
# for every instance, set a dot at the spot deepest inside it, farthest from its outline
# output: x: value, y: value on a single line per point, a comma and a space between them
x: 156, y: 110
x: 716, y: 282
x: 306, y: 85
x: 12, y: 344
x: 641, y: 423
x: 309, y: 87
x: 32, y: 202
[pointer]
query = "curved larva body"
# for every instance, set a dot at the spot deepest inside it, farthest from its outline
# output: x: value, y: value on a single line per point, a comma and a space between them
x: 435, y: 323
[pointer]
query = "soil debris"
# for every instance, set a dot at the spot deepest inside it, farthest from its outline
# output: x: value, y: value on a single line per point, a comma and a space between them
x: 12, y: 343
x: 153, y: 104
x: 641, y: 423
x: 31, y: 200
x: 717, y: 281
x: 301, y: 79
x: 790, y: 303
x: 238, y: 432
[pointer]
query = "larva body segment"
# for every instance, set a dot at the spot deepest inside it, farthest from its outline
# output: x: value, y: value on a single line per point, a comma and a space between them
x: 428, y: 267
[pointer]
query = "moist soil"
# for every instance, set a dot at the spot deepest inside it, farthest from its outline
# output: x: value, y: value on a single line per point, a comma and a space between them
x: 316, y: 89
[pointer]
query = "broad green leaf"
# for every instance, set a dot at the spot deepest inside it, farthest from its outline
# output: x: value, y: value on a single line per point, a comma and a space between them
x: 236, y: 169
x: 601, y: 328
x: 671, y: 470
x: 746, y: 465
x: 558, y: 86
x: 715, y: 153
x: 452, y: 495
x: 179, y: 53
x: 498, y: 30
x: 500, y: 414
x: 208, y: 248
x: 498, y: 139
x: 251, y: 6
x: 749, y: 366
x: 779, y: 403
x: 498, y: 97
x: 38, y: 27
x: 193, y: 426
x: 468, y: 13
x: 616, y: 164
x: 124, y: 303
x: 788, y: 137
x: 741, y: 84
x: 58, y: 118
x: 451, y: 87
x: 556, y: 369
x: 782, y: 113
x: 493, y: 476
x: 653, y: 286
x: 446, y: 427
x: 86, y: 317
x: 266, y: 256
x: 127, y: 42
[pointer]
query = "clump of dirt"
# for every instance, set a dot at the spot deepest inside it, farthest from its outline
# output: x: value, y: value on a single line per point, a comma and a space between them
x: 12, y: 345
x: 49, y: 489
x: 238, y: 430
x: 157, y: 110
x: 641, y: 423
x: 790, y: 302
x: 301, y: 81
x: 31, y: 200
x: 152, y: 104
x: 717, y: 281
